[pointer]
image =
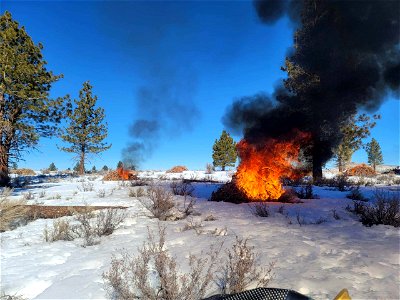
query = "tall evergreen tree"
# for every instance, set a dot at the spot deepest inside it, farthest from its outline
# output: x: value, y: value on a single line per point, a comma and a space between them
x: 26, y: 112
x: 354, y: 130
x: 86, y: 130
x: 105, y: 168
x: 52, y: 167
x: 224, y: 151
x: 120, y: 165
x: 374, y: 153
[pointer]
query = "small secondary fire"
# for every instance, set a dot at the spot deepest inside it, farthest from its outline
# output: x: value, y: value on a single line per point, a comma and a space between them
x: 125, y: 174
x: 261, y: 168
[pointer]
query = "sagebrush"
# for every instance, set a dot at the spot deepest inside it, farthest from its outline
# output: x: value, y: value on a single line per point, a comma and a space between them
x: 132, y: 277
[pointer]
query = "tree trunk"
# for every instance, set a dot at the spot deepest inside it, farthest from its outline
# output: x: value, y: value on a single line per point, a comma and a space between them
x: 4, y: 172
x: 374, y: 166
x: 317, y: 162
x: 317, y: 170
x: 222, y: 168
x: 340, y: 165
x: 82, y: 164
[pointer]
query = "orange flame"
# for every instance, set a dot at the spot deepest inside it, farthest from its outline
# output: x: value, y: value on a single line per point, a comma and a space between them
x: 124, y: 174
x: 260, y: 170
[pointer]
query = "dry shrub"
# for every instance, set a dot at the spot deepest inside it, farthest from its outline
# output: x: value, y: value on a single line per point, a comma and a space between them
x: 384, y: 211
x: 209, y: 168
x: 5, y: 296
x: 193, y: 225
x: 361, y: 170
x: 177, y: 169
x: 182, y: 188
x: 240, y: 270
x: 90, y: 226
x: 209, y: 218
x: 107, y: 221
x: 355, y: 194
x: 159, y: 202
x: 101, y: 193
x: 11, y: 211
x: 305, y: 192
x: 86, y: 186
x: 132, y: 277
x: 24, y: 172
x: 62, y: 230
x: 185, y: 189
x: 260, y: 209
x: 139, y: 192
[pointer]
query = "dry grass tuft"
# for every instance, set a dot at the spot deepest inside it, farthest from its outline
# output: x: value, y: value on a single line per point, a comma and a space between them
x: 11, y: 211
x: 24, y: 172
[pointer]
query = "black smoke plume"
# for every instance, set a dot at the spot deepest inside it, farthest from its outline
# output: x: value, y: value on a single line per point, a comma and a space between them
x: 348, y: 52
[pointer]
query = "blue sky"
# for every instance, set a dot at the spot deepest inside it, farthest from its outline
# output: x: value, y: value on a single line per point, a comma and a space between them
x: 195, y: 57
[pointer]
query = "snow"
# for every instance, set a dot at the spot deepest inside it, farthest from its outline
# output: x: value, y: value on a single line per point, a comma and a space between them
x: 314, y: 259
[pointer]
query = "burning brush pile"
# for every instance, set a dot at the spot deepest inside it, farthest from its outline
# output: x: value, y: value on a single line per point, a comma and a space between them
x: 120, y: 174
x: 262, y: 169
x: 345, y: 59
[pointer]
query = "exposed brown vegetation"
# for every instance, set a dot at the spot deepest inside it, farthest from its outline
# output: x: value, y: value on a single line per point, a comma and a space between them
x: 52, y: 212
x: 361, y: 170
x: 177, y: 169
x: 23, y: 172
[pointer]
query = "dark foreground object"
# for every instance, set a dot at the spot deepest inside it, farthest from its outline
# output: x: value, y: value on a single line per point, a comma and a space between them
x: 262, y: 294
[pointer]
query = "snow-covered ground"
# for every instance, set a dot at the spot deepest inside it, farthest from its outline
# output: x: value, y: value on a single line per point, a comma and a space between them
x: 315, y: 259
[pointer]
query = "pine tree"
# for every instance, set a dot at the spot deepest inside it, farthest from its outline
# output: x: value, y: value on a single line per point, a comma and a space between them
x: 86, y: 130
x: 94, y: 170
x: 354, y: 130
x: 77, y: 167
x: 52, y: 167
x: 224, y: 151
x: 374, y: 153
x: 120, y: 165
x: 26, y: 112
x: 105, y: 168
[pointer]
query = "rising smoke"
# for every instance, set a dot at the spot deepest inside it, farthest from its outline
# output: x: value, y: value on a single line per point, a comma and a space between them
x: 348, y: 52
x: 165, y: 81
x: 165, y: 108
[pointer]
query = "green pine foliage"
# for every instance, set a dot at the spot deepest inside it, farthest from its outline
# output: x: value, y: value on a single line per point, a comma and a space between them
x: 86, y: 131
x: 26, y: 112
x: 354, y: 130
x: 105, y: 168
x: 120, y: 165
x: 224, y: 151
x: 52, y: 167
x: 374, y: 153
